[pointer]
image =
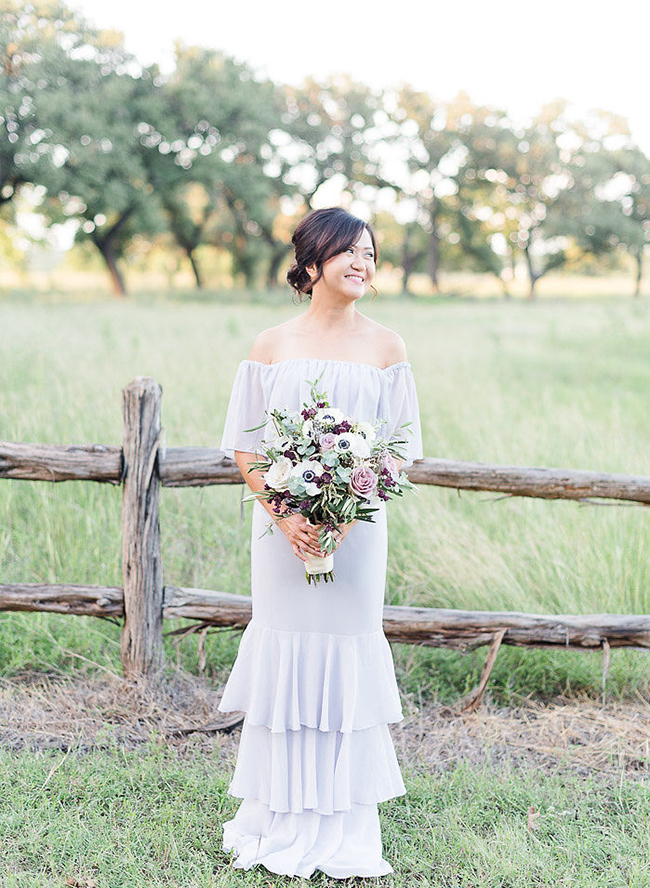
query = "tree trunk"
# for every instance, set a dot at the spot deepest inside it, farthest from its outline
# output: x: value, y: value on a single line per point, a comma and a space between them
x: 107, y: 249
x: 532, y: 277
x: 407, y: 267
x: 195, y: 267
x: 406, y: 274
x: 639, y: 270
x: 106, y: 244
x: 274, y: 267
x: 408, y: 260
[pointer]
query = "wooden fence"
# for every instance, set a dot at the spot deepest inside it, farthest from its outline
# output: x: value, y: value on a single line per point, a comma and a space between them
x: 142, y: 465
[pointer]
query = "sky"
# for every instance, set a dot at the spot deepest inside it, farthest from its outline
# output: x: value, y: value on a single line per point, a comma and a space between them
x: 514, y: 55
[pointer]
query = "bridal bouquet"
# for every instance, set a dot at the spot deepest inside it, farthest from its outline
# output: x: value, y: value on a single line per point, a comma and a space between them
x: 330, y: 468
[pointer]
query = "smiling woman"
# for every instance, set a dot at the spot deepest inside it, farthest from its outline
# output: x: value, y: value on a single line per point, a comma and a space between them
x: 332, y: 241
x: 314, y: 672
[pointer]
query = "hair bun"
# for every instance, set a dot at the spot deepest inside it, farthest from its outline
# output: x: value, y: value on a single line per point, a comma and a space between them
x: 298, y: 278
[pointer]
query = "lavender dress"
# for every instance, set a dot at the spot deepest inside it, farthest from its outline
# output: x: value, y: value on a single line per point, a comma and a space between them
x: 314, y: 673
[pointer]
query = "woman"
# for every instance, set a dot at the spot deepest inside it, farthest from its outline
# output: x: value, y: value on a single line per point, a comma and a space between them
x: 314, y: 672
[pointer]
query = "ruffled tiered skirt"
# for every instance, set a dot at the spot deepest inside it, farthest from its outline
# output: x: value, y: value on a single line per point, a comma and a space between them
x: 315, y: 755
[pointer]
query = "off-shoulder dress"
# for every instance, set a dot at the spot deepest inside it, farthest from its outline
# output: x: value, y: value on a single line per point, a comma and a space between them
x: 314, y: 673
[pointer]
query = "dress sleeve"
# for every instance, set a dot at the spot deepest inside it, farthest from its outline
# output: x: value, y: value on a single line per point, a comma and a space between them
x: 402, y: 406
x: 245, y: 410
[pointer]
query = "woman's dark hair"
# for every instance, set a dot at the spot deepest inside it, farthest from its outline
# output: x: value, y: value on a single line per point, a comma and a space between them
x: 319, y: 236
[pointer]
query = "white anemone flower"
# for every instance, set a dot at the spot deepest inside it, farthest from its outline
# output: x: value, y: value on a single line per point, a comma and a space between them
x: 367, y: 431
x: 329, y: 416
x: 354, y: 444
x: 360, y: 447
x: 307, y: 428
x: 306, y: 472
x: 343, y: 443
x: 277, y: 476
x: 281, y: 443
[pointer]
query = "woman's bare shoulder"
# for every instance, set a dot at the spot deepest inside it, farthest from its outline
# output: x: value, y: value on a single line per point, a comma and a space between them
x: 266, y: 344
x: 389, y: 343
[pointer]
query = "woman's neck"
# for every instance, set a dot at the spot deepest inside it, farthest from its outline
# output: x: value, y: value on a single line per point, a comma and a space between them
x: 330, y: 314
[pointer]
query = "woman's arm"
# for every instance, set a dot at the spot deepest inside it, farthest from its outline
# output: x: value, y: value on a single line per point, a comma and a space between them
x: 302, y: 536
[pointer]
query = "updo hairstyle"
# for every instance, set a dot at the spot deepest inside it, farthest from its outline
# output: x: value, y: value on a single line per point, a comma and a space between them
x: 319, y: 236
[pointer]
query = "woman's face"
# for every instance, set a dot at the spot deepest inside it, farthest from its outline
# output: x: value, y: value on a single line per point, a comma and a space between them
x: 351, y: 272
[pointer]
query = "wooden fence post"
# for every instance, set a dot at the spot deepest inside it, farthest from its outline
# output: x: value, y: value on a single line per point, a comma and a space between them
x: 141, y: 644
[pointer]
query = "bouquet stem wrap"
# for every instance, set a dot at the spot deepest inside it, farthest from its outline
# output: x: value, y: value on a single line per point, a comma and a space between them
x: 316, y: 565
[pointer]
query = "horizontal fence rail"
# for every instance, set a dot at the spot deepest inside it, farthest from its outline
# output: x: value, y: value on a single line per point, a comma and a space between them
x: 142, y: 465
x: 428, y: 626
x: 204, y: 466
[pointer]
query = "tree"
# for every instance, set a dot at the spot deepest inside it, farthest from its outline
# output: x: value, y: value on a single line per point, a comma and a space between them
x: 628, y: 195
x: 422, y: 178
x: 542, y: 188
x: 332, y: 126
x: 99, y: 177
x: 35, y: 40
x: 207, y: 154
x: 83, y: 96
x: 480, y: 211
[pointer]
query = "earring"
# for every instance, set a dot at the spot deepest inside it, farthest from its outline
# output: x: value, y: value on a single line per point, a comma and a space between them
x: 376, y: 293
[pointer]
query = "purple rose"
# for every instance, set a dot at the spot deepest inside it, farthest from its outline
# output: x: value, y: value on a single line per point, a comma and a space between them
x: 363, y: 481
x: 326, y: 441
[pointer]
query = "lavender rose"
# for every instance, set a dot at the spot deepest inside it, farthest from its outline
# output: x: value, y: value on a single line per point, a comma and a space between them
x: 326, y: 441
x: 363, y: 481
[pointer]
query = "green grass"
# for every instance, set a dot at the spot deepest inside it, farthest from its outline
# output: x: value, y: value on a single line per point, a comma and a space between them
x: 549, y: 384
x: 121, y: 820
x: 555, y: 384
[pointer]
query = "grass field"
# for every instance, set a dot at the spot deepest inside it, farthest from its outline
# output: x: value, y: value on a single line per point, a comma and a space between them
x: 116, y: 820
x: 557, y: 383
x: 562, y: 384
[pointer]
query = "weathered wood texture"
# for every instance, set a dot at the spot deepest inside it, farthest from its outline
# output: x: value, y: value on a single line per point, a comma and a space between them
x: 547, y: 483
x: 433, y: 627
x: 218, y: 608
x: 203, y: 466
x: 141, y: 643
x: 442, y: 627
x: 54, y: 462
x: 85, y: 601
x: 197, y: 467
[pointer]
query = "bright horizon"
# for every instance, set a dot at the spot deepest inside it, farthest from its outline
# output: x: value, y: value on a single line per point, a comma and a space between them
x: 508, y: 58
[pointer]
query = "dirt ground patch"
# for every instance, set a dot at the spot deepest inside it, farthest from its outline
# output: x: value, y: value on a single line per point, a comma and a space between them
x: 85, y: 713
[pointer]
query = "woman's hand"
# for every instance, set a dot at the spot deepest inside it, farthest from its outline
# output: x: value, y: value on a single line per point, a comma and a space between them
x: 302, y: 536
x: 342, y: 530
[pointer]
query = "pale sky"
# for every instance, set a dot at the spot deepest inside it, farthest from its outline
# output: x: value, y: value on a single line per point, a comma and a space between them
x: 517, y: 55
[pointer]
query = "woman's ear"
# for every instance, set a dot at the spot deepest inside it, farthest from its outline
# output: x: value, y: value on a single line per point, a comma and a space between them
x: 311, y: 270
